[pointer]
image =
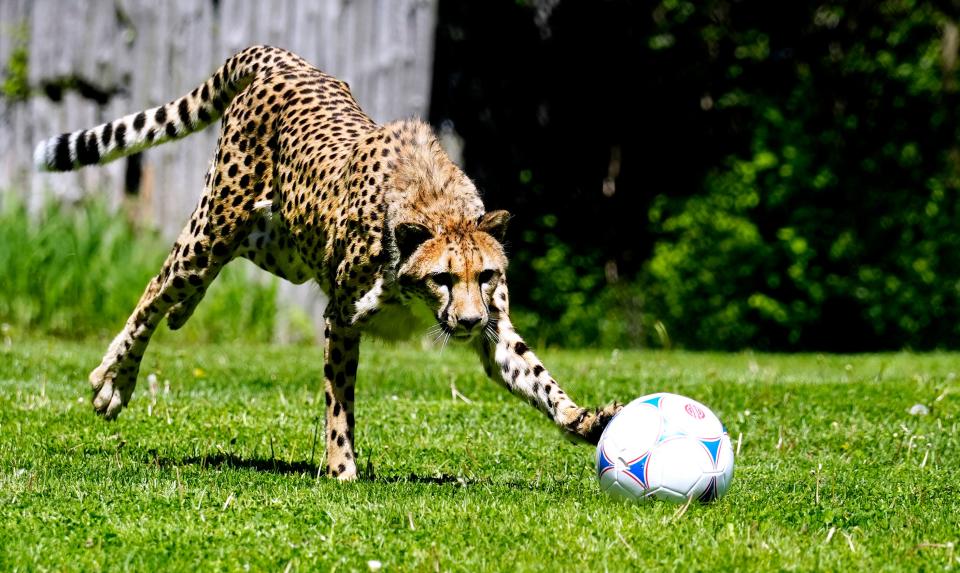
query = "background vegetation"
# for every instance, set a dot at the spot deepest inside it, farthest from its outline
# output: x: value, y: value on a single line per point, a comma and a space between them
x: 78, y: 271
x: 722, y: 174
x: 719, y: 174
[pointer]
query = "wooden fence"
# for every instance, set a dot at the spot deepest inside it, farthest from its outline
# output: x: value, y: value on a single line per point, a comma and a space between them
x: 90, y: 61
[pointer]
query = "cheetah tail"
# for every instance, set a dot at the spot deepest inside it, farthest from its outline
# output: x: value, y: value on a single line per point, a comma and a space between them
x: 179, y: 118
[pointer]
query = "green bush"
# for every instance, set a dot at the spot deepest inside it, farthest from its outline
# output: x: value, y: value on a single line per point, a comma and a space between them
x: 839, y: 230
x: 571, y: 302
x: 78, y: 271
x: 703, y: 280
x: 829, y: 221
x: 786, y: 176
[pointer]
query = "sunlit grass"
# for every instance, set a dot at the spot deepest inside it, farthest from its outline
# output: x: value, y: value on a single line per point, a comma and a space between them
x: 214, y: 465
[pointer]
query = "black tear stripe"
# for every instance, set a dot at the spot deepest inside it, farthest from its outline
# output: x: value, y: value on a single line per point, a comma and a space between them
x: 61, y: 158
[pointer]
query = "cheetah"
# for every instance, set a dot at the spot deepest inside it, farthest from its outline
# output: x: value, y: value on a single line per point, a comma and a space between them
x: 309, y: 188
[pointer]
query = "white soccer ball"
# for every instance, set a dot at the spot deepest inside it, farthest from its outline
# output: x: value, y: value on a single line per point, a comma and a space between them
x: 665, y: 446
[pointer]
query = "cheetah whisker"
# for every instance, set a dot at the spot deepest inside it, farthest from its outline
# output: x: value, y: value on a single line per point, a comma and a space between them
x: 490, y: 332
x: 446, y: 339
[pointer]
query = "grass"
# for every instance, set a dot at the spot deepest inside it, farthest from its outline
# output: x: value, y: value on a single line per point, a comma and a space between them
x: 214, y: 468
x: 78, y: 271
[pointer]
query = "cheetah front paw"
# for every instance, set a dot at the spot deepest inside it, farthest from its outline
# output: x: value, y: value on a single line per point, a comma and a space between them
x: 343, y: 471
x: 112, y: 388
x: 590, y: 422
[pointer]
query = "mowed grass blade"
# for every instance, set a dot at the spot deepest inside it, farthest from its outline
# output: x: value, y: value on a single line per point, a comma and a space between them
x: 210, y: 466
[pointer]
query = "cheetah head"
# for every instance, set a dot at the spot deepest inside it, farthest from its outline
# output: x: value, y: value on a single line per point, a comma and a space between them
x: 455, y: 271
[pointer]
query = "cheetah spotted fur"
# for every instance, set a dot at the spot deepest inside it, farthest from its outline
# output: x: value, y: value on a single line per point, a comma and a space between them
x: 309, y: 188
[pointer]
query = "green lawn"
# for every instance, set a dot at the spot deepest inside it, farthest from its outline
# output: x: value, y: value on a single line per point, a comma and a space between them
x: 215, y: 468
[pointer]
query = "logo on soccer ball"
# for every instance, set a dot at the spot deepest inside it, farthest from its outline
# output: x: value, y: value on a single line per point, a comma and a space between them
x: 694, y: 411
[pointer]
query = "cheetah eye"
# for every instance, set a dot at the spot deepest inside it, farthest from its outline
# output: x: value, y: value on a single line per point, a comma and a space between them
x: 442, y: 279
x: 485, y: 276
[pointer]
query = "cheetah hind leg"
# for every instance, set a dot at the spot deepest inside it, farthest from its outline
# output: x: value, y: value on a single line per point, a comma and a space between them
x: 176, y: 290
x: 180, y: 313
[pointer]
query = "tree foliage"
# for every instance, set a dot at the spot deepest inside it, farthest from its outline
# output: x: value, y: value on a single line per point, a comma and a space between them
x: 763, y: 174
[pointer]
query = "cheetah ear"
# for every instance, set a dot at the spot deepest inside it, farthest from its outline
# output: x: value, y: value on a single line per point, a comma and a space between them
x: 494, y: 223
x: 409, y: 236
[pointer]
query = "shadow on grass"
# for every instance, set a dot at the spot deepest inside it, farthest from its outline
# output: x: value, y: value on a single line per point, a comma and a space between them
x: 221, y: 460
x: 442, y: 479
x: 228, y: 460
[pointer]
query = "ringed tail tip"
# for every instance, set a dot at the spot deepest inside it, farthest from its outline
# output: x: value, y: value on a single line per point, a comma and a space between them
x: 41, y: 156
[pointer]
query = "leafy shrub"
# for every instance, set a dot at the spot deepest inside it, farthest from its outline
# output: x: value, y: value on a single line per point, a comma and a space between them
x: 840, y: 230
x: 787, y: 176
x: 570, y: 301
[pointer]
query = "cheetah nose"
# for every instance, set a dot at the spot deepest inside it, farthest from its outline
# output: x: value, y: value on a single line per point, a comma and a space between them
x: 469, y: 322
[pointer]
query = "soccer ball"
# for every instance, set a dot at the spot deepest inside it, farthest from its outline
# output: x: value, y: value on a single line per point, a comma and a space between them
x: 665, y: 446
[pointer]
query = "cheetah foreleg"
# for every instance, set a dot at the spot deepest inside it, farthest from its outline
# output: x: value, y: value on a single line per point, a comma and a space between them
x: 114, y: 380
x: 508, y: 360
x: 341, y: 353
